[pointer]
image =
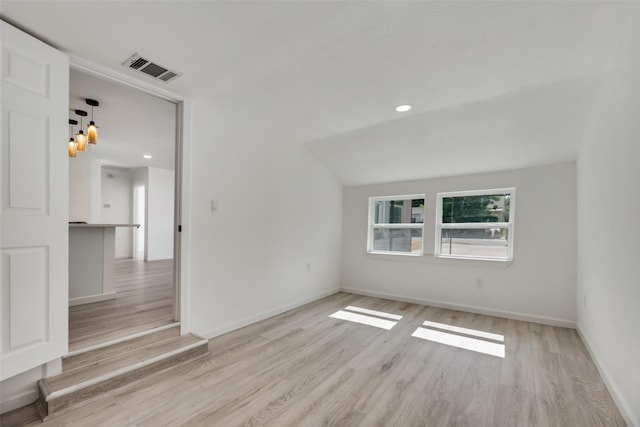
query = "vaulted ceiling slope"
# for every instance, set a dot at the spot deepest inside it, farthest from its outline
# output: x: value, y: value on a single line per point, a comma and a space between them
x: 493, y: 85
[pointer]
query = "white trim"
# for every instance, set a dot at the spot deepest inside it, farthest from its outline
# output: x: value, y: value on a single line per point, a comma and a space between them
x: 103, y: 72
x: 185, y: 220
x: 400, y: 197
x: 19, y: 400
x: 91, y: 298
x: 119, y: 340
x: 410, y: 254
x: 449, y: 225
x: 442, y: 260
x: 474, y: 257
x: 465, y: 193
x: 616, y: 395
x: 487, y: 225
x: 53, y: 368
x: 372, y: 225
x: 416, y: 225
x: 184, y: 141
x: 266, y: 314
x: 545, y: 320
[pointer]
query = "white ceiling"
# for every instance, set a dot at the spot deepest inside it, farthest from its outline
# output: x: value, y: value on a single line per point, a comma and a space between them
x: 131, y: 122
x: 494, y: 85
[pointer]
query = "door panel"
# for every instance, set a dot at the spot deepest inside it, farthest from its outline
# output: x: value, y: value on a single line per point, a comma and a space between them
x: 34, y: 205
x: 27, y: 187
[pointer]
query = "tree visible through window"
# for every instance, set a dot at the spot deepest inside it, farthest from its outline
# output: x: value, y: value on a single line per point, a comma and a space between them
x: 475, y: 224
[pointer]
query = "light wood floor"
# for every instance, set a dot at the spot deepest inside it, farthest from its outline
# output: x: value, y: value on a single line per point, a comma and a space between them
x: 144, y: 301
x: 303, y: 368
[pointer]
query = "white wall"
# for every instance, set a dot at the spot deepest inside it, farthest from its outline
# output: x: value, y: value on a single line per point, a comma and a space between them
x: 539, y: 285
x: 280, y: 211
x: 117, y: 194
x: 608, y: 183
x: 160, y: 196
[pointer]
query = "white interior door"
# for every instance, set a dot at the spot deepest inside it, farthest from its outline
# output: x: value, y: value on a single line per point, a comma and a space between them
x: 34, y: 228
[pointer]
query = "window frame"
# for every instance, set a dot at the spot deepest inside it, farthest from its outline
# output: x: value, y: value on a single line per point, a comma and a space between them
x: 371, y: 226
x: 476, y: 225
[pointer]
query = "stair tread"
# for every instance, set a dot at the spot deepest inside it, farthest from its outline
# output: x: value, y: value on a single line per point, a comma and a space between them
x: 78, y: 360
x: 121, y: 361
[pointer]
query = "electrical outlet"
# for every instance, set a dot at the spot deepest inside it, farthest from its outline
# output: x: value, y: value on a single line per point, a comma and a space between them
x: 479, y: 283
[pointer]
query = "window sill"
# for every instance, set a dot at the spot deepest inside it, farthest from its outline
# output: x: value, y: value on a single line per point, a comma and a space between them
x: 440, y: 260
x: 395, y: 254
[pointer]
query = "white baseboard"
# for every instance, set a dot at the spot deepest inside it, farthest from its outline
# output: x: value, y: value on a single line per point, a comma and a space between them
x: 161, y: 258
x: 620, y: 401
x: 266, y: 314
x: 91, y: 298
x: 19, y: 400
x: 552, y: 321
x: 20, y: 390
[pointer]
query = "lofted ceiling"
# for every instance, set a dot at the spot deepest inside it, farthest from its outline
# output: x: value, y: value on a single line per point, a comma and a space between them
x: 494, y: 84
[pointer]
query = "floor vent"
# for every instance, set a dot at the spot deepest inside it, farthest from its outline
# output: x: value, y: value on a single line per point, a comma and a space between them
x: 137, y: 62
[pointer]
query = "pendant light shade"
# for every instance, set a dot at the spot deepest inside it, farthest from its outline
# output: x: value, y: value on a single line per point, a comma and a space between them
x: 81, y: 138
x: 92, y: 133
x: 92, y: 129
x: 72, y: 142
x: 79, y: 143
x: 72, y: 147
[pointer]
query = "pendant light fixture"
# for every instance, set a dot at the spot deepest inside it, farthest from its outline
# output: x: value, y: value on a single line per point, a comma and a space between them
x: 92, y: 129
x: 72, y: 142
x: 81, y: 139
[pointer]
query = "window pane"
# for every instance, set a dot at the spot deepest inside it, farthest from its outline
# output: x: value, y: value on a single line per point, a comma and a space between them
x: 399, y: 211
x: 408, y: 240
x: 475, y: 242
x: 484, y: 208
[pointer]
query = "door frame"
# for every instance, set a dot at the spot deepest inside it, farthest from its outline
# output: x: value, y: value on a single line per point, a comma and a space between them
x: 182, y: 179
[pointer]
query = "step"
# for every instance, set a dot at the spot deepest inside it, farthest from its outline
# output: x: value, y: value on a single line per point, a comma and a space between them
x: 76, y: 359
x: 111, y: 371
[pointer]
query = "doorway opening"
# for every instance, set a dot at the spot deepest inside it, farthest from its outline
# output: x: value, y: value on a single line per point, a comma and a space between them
x: 127, y: 182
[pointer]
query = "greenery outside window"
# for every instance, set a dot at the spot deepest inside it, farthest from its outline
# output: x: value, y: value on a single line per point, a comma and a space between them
x: 475, y: 224
x: 396, y: 224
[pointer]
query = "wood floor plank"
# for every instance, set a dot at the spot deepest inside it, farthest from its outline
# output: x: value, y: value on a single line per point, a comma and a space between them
x: 144, y: 300
x: 515, y: 408
x: 304, y: 368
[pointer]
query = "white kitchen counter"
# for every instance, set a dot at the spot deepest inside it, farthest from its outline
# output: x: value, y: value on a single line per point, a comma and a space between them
x: 92, y: 250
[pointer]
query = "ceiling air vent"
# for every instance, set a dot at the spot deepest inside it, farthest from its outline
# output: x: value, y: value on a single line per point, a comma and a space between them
x: 137, y: 62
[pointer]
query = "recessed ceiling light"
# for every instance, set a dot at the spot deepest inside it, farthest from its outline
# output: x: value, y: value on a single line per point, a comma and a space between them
x: 403, y: 108
x: 147, y: 156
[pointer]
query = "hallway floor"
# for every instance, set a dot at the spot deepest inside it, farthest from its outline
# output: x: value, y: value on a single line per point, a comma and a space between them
x: 144, y: 301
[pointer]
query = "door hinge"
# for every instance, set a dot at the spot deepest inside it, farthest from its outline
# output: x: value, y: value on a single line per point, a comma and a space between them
x: 180, y: 229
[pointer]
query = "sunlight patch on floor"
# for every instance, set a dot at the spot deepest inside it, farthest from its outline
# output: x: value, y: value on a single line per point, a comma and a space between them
x: 364, y: 316
x: 465, y: 331
x: 373, y: 312
x: 473, y: 344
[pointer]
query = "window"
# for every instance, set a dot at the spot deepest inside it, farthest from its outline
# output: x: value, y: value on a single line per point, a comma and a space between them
x: 475, y: 224
x: 396, y: 224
